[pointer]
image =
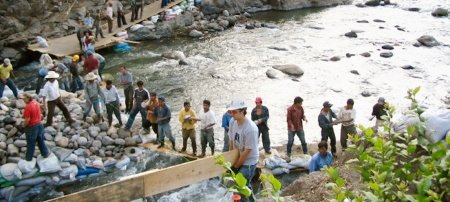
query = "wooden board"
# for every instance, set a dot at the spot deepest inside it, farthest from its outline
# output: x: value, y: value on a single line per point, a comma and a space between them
x: 152, y: 182
x: 68, y: 45
x: 168, y: 150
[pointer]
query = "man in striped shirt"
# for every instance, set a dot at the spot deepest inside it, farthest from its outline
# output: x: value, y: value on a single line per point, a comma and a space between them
x: 141, y: 95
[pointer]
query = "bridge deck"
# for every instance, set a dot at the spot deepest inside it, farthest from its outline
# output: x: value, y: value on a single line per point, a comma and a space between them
x: 68, y: 45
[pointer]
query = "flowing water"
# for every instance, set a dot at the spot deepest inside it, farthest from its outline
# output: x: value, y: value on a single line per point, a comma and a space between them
x: 232, y: 64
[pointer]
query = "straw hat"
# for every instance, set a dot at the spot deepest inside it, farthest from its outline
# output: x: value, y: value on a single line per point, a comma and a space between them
x: 52, y: 75
x: 90, y: 76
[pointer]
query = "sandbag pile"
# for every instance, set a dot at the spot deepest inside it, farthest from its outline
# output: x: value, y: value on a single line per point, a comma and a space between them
x: 279, y: 166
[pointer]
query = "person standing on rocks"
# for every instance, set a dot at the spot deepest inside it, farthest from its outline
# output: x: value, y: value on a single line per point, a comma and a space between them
x: 347, y: 118
x: 112, y: 102
x: 295, y: 118
x: 102, y: 64
x: 92, y: 94
x: 91, y: 64
x: 63, y: 80
x: 46, y: 63
x: 188, y: 118
x: 326, y: 123
x: 244, y: 137
x: 378, y: 111
x: 226, y: 118
x: 141, y: 95
x: 260, y: 115
x: 126, y: 80
x: 98, y: 24
x: 6, y: 71
x: 120, y: 15
x: 34, y: 129
x: 50, y: 92
x: 109, y: 17
x: 163, y: 116
x: 151, y: 117
x: 76, y: 83
x: 321, y: 158
x: 207, y: 120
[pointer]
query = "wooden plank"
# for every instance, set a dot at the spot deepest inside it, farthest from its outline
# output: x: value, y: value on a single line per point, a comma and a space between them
x: 167, y: 150
x: 152, y: 182
x: 68, y: 45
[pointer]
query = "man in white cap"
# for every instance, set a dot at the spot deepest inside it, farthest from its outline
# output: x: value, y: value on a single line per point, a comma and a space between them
x: 51, y: 93
x: 92, y: 94
x: 243, y: 134
x: 6, y: 70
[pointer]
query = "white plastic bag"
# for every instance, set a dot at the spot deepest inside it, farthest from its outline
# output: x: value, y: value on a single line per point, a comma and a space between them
x: 302, y: 162
x: 49, y: 164
x: 42, y: 43
x: 123, y: 163
x: 69, y: 172
x: 273, y: 162
x: 437, y: 124
x: 10, y: 172
x: 136, y: 27
x: 26, y: 166
x: 279, y: 171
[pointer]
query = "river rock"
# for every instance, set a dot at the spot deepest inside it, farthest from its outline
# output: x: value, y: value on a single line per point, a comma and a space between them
x: 9, y: 120
x: 365, y: 54
x: 123, y: 133
x: 271, y: 73
x: 354, y: 72
x: 97, y: 143
x: 440, y: 12
x: 50, y: 130
x: 20, y: 104
x: 351, y: 34
x: 360, y: 5
x: 378, y: 20
x: 372, y: 3
x: 61, y: 141
x: 249, y: 26
x: 232, y: 20
x: 13, y: 132
x: 414, y: 9
x: 130, y: 141
x: 112, y: 130
x: 176, y: 55
x: 20, y: 143
x: 82, y: 141
x: 225, y: 13
x: 183, y: 62
x: 428, y: 41
x: 224, y: 23
x: 107, y: 141
x: 387, y: 47
x: 195, y: 33
x: 366, y: 93
x: 362, y: 21
x: 3, y: 145
x: 289, y: 69
x: 335, y: 58
x: 12, y: 150
x: 119, y: 141
x: 215, y: 26
x: 407, y: 67
x: 386, y: 54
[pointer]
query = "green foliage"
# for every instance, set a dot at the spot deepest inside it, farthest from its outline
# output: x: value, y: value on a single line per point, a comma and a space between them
x: 274, y: 190
x: 397, y: 166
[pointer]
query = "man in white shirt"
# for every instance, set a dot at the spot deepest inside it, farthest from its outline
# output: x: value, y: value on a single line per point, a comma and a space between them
x: 109, y: 16
x: 207, y: 120
x: 50, y: 92
x: 112, y: 102
x: 347, y: 117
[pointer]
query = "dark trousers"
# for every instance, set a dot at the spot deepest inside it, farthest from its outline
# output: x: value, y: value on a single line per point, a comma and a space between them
x: 76, y: 84
x: 154, y: 128
x: 207, y: 137
x: 164, y: 3
x: 128, y: 91
x: 329, y: 133
x: 11, y: 85
x: 98, y: 30
x: 189, y: 133
x: 138, y: 109
x: 301, y: 135
x: 345, y: 130
x: 113, y: 107
x: 100, y: 69
x: 139, y: 10
x: 51, y: 110
x: 110, y: 24
x: 35, y: 134
x: 40, y: 83
x: 265, y: 137
x: 120, y: 19
x: 133, y: 13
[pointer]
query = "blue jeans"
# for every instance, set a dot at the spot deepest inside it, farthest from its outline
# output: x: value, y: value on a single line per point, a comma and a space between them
x: 226, y: 140
x: 35, y: 134
x: 11, y: 86
x: 137, y: 109
x: 76, y: 84
x: 92, y: 102
x: 64, y: 84
x: 249, y: 172
x: 163, y: 131
x: 301, y: 136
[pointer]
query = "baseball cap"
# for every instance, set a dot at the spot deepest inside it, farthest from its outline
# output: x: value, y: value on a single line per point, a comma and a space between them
x: 350, y: 102
x: 237, y: 104
x: 258, y: 99
x: 162, y: 98
x: 381, y: 99
x: 327, y: 104
x: 7, y: 61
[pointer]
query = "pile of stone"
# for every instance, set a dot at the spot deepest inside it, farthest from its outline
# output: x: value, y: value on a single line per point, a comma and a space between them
x: 77, y: 150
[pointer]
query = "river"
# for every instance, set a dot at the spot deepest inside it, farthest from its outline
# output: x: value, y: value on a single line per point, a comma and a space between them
x: 232, y: 64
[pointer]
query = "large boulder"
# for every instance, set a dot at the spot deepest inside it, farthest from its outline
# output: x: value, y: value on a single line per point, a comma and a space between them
x: 428, y: 41
x: 440, y: 12
x: 372, y: 3
x: 272, y: 74
x: 289, y: 69
x: 142, y: 34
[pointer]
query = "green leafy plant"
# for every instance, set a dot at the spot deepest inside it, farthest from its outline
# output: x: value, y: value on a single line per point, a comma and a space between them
x: 397, y: 166
x: 272, y: 187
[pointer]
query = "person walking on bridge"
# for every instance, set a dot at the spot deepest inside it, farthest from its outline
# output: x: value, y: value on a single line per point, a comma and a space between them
x: 188, y: 118
x: 120, y: 15
x: 109, y: 17
x: 6, y: 71
x: 244, y: 137
x: 98, y: 24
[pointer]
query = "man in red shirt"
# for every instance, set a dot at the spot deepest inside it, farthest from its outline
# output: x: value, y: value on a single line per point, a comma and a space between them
x: 91, y: 64
x: 295, y: 118
x: 34, y: 129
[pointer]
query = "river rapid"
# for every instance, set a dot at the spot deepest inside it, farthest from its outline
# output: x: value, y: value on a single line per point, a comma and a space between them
x: 232, y: 64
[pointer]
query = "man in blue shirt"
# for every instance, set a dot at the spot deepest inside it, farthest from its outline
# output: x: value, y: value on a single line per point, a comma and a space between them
x: 163, y: 115
x: 321, y: 158
x: 225, y: 125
